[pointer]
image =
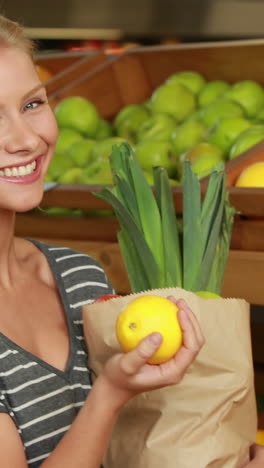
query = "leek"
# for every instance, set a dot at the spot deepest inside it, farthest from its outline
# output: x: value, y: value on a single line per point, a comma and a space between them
x: 155, y: 251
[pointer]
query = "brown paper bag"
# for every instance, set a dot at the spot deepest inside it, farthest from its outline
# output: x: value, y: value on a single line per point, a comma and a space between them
x: 209, y: 419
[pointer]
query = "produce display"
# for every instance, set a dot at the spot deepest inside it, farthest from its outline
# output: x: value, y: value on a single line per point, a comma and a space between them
x: 186, y: 117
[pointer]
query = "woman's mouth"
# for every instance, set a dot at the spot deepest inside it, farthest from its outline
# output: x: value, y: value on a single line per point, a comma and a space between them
x: 23, y: 174
x: 19, y: 170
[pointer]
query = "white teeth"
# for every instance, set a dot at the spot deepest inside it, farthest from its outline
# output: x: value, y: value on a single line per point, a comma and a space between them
x: 18, y: 171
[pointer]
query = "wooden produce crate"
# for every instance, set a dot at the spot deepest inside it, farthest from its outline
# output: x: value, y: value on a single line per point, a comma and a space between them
x: 131, y: 77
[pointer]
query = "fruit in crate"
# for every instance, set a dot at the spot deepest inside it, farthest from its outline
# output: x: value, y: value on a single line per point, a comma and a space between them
x: 203, y: 158
x: 79, y: 114
x: 246, y: 140
x: 194, y: 81
x: 203, y: 165
x: 157, y: 127
x: 202, y: 149
x: 186, y: 135
x: 156, y: 153
x: 104, y: 130
x: 97, y: 172
x: 102, y: 149
x: 81, y: 152
x: 249, y: 94
x: 221, y: 107
x: 66, y: 138
x: 184, y: 115
x: 173, y: 99
x: 251, y: 176
x: 58, y: 166
x: 129, y: 120
x: 70, y: 176
x: 211, y: 91
x: 226, y: 130
x: 145, y: 315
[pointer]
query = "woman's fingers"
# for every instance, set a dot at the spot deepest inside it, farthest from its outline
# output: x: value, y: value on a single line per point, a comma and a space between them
x: 132, y: 361
x: 183, y: 306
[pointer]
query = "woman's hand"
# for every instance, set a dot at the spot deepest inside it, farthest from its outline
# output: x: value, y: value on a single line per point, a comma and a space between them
x: 129, y: 374
x: 257, y: 457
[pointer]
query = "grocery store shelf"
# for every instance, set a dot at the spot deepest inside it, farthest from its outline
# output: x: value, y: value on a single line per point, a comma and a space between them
x: 73, y: 33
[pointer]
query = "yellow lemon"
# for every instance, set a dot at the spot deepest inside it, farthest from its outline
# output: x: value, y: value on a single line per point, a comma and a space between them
x: 260, y: 437
x: 252, y: 176
x: 145, y: 315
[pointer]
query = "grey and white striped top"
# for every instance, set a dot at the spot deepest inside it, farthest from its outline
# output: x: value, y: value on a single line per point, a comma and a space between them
x: 42, y: 400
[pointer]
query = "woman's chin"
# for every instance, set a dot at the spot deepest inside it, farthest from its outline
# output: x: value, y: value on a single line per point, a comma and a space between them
x: 29, y: 203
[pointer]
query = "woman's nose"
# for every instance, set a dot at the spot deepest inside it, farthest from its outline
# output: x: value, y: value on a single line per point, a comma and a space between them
x: 21, y: 137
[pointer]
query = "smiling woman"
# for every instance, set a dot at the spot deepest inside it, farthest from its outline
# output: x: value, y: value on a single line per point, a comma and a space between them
x: 50, y: 415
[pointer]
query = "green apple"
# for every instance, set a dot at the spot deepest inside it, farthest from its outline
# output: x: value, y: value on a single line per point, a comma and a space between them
x: 211, y: 91
x: 66, y: 138
x: 81, y: 153
x: 221, y: 107
x: 208, y: 295
x: 226, y: 130
x: 150, y: 179
x: 70, y: 176
x: 103, y: 149
x: 206, y: 152
x: 99, y: 172
x: 204, y: 164
x: 157, y: 127
x: 156, y: 153
x: 249, y: 94
x: 187, y: 135
x: 173, y: 99
x: 57, y: 210
x: 246, y: 140
x: 196, y: 115
x: 259, y: 119
x: 79, y: 114
x: 129, y: 120
x: 59, y: 164
x: 202, y: 148
x: 193, y: 80
x: 104, y: 130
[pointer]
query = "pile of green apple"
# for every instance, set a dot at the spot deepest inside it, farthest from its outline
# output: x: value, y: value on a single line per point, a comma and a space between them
x: 185, y: 117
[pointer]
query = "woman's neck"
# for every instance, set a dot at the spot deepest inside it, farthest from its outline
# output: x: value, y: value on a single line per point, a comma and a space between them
x: 8, y: 255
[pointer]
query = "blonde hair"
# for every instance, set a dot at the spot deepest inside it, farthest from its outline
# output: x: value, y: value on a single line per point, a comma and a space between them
x: 12, y: 35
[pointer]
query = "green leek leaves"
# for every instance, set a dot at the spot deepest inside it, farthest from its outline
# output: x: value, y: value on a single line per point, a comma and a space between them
x: 156, y: 254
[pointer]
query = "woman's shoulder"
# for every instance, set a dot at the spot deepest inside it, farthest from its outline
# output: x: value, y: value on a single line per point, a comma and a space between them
x: 75, y: 267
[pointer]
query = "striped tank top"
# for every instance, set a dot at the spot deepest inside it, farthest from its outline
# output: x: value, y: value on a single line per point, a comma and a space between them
x: 42, y: 400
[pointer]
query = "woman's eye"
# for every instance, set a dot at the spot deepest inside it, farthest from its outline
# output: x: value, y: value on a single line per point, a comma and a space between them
x: 34, y: 104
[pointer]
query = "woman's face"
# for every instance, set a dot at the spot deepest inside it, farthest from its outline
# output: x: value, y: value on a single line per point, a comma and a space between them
x: 28, y: 132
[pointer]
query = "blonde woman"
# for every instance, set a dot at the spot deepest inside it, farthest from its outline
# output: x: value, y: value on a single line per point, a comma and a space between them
x: 50, y: 414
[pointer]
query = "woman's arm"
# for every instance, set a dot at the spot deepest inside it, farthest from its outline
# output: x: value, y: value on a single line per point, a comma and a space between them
x: 124, y: 376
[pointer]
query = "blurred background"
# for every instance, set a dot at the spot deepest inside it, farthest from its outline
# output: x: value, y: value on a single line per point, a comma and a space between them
x: 62, y: 24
